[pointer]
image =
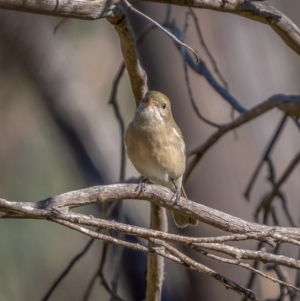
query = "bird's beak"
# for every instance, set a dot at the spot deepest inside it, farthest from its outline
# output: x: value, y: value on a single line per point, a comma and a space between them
x: 148, y: 101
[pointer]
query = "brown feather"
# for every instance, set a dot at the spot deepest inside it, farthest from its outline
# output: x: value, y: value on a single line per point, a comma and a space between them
x: 156, y: 147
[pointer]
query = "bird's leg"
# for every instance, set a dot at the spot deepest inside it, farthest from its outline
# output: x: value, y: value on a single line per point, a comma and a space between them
x: 142, y: 185
x: 176, y: 194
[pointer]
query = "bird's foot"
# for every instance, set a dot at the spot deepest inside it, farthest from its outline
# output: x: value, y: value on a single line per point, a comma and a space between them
x: 141, y: 186
x: 176, y: 196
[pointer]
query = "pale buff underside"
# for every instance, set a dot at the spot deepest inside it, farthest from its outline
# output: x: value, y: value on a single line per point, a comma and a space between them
x: 156, y: 148
x: 157, y: 152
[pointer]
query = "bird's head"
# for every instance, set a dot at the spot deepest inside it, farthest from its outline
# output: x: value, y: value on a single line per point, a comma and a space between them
x: 156, y: 105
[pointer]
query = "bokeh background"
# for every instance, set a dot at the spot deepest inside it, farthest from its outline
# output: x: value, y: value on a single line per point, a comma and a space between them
x: 58, y: 133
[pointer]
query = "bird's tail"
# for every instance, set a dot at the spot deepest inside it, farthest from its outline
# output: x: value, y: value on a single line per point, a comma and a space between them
x: 182, y: 220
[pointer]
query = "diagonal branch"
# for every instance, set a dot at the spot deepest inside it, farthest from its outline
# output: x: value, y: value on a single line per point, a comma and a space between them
x: 265, y: 156
x: 281, y: 101
x: 91, y: 10
x: 59, y: 206
x: 248, y: 267
x: 229, y: 284
x: 113, y: 101
x: 203, y: 70
x: 275, y: 191
x: 68, y: 268
x: 130, y: 7
x: 137, y: 75
x: 57, y: 209
x: 165, y: 250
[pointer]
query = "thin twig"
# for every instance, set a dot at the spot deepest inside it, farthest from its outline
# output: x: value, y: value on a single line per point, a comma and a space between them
x: 265, y: 156
x: 68, y: 268
x: 198, y: 68
x: 252, y: 278
x: 265, y: 203
x: 113, y: 101
x: 134, y: 246
x: 118, y: 255
x: 285, y: 209
x: 229, y: 284
x: 278, y: 100
x: 297, y: 122
x: 99, y: 273
x: 187, y: 80
x: 248, y: 267
x: 202, y: 69
x: 89, y: 288
x: 282, y: 278
x: 210, y: 56
x: 130, y: 7
x: 60, y: 23
x: 238, y: 253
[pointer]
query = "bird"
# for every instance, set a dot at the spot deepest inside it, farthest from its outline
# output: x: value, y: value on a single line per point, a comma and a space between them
x: 156, y: 148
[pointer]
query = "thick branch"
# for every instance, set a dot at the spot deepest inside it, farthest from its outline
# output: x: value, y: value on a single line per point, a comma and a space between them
x: 79, y: 9
x: 137, y: 75
x: 60, y: 205
x: 57, y: 209
x: 155, y: 270
x: 95, y: 9
x: 261, y: 12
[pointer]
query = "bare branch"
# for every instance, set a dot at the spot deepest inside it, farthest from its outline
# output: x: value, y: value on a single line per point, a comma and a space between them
x: 275, y: 191
x: 58, y: 207
x: 248, y: 267
x: 279, y: 100
x: 207, y: 51
x: 137, y: 75
x: 265, y: 155
x: 91, y: 10
x: 261, y: 12
x: 200, y: 69
x: 187, y: 80
x: 77, y: 9
x: 113, y: 101
x: 68, y: 268
x: 171, y: 253
x: 204, y: 71
x: 129, y: 6
x: 155, y: 266
x: 207, y: 271
x: 260, y: 255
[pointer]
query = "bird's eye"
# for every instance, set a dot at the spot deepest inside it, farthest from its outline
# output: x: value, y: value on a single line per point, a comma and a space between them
x: 164, y: 105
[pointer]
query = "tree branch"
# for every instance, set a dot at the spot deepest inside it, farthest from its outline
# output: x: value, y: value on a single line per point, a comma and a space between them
x: 59, y: 206
x: 155, y: 270
x: 281, y: 101
x: 77, y: 9
x: 137, y: 75
x: 57, y: 209
x: 95, y: 9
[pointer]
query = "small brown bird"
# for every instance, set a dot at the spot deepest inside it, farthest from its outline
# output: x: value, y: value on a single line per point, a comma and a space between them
x: 156, y: 148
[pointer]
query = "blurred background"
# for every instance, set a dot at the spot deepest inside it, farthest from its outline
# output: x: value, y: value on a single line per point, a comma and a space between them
x: 58, y: 133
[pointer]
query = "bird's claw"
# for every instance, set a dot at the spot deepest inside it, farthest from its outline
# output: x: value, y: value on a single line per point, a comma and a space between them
x: 141, y: 186
x: 177, y: 196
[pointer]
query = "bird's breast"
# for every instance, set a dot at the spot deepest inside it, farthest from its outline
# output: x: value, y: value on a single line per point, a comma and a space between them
x: 156, y: 152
